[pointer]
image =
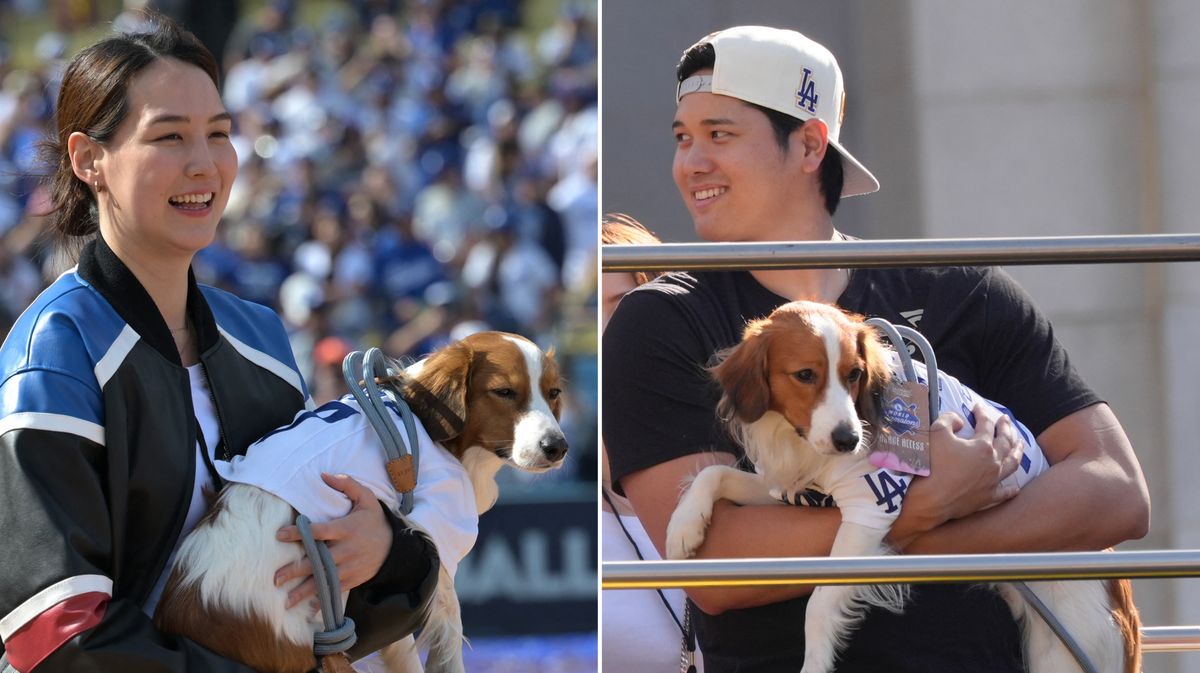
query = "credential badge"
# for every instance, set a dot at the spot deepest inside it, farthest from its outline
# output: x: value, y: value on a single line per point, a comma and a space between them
x: 900, y: 417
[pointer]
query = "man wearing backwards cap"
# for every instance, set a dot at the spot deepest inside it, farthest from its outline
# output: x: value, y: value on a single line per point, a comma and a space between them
x: 758, y: 159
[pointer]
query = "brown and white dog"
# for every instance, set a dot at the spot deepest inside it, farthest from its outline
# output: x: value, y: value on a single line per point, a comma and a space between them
x: 490, y: 400
x: 796, y: 392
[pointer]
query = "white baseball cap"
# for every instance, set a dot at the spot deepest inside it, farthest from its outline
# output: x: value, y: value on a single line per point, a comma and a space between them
x: 787, y: 72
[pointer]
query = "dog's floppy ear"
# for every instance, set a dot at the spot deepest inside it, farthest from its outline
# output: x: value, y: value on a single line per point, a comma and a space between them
x: 877, y: 373
x: 742, y: 373
x: 438, y: 392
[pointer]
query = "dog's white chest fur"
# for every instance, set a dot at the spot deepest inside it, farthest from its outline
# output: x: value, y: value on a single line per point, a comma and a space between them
x: 867, y: 495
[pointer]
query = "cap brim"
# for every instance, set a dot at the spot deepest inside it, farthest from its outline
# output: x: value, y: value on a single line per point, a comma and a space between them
x: 856, y: 179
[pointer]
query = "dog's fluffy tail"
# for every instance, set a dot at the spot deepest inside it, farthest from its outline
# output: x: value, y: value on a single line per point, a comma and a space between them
x: 1125, y: 614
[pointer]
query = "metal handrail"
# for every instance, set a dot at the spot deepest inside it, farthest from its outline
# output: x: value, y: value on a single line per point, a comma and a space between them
x: 890, y: 569
x: 903, y: 253
x: 922, y: 569
x: 1170, y: 638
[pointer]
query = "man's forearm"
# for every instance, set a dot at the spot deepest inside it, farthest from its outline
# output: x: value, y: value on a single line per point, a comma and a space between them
x: 1055, y: 512
x: 1093, y: 470
x: 762, y: 532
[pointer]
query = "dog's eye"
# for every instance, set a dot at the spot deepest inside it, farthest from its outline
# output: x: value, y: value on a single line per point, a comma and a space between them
x: 854, y: 375
x: 506, y: 393
x: 554, y: 393
x: 805, y: 376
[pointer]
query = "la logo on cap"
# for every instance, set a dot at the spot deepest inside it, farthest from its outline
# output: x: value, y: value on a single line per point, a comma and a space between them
x: 806, y: 95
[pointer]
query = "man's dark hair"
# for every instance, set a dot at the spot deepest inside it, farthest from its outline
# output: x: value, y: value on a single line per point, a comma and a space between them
x: 703, y: 56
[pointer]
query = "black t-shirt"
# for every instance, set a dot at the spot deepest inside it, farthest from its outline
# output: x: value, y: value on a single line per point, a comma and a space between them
x: 659, y: 404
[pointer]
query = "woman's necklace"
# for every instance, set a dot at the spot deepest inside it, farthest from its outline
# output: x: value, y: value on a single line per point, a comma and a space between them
x: 183, y: 342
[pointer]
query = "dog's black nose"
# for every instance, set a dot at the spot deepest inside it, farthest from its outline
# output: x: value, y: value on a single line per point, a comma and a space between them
x: 845, y: 438
x: 555, y: 447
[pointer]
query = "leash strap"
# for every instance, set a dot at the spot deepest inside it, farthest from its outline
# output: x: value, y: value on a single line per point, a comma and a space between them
x: 1056, y: 626
x: 687, y: 651
x: 339, y: 634
x: 896, y: 334
x: 402, y: 461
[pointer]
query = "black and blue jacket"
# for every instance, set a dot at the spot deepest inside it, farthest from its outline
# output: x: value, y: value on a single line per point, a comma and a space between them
x: 97, y: 462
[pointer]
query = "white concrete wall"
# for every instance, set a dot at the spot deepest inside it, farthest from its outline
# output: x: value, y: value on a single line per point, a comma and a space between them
x: 1176, y: 96
x: 1078, y: 117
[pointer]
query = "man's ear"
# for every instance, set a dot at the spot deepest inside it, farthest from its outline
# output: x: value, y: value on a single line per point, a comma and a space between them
x: 86, y: 159
x: 812, y: 139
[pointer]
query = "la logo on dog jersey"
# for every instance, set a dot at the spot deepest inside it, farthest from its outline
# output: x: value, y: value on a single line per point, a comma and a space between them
x: 889, y: 488
x: 806, y: 95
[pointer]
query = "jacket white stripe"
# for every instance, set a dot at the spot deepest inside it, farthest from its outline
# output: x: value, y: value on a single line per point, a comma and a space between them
x: 51, y: 596
x: 266, y: 362
x: 53, y: 422
x: 107, y: 366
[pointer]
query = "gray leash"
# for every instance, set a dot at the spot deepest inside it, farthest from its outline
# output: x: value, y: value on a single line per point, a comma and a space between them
x: 896, y: 334
x: 1056, y: 626
x: 402, y: 461
x: 339, y: 634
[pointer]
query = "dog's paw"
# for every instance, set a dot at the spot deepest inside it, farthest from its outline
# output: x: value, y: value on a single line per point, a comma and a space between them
x: 685, y: 533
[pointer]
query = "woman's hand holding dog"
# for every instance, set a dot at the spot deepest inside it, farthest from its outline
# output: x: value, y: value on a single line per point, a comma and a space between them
x: 358, y: 542
x: 965, y: 478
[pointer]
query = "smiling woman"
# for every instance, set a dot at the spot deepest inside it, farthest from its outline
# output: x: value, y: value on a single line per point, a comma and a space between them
x: 125, y: 380
x: 162, y: 179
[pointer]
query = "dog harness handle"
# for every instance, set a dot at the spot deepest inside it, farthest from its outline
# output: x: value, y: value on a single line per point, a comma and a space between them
x: 897, y: 334
x: 402, y: 461
x: 339, y: 634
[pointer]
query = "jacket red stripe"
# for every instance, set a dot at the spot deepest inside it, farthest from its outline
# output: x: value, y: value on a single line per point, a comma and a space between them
x: 29, y: 645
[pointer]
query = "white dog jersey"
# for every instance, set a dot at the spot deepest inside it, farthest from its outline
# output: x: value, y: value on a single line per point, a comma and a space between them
x: 872, y: 496
x: 336, y: 438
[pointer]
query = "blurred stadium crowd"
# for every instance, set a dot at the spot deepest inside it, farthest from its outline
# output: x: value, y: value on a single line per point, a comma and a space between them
x: 409, y: 171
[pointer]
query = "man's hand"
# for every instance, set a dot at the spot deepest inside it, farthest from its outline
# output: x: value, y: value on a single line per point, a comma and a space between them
x: 965, y: 476
x: 358, y: 542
